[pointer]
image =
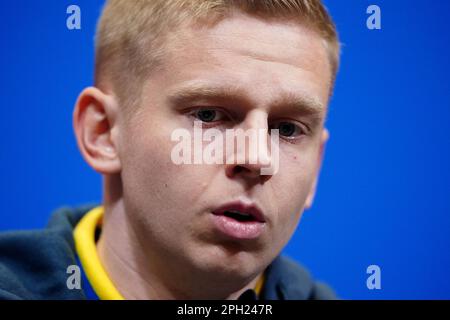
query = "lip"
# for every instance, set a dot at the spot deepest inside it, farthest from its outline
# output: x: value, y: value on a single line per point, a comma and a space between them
x: 251, y: 209
x: 239, y: 229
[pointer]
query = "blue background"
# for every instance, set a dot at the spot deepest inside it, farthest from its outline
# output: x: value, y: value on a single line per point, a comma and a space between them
x: 383, y: 196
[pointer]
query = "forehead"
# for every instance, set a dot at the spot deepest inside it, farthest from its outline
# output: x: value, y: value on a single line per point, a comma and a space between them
x: 267, y: 60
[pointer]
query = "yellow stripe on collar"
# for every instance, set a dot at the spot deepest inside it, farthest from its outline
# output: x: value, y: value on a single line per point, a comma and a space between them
x: 84, y: 236
x: 259, y: 285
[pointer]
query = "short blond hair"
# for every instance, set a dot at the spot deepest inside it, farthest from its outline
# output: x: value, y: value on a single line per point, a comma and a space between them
x: 131, y: 34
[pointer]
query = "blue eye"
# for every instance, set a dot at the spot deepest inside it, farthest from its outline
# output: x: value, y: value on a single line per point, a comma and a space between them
x: 209, y: 115
x: 288, y: 129
x: 206, y: 115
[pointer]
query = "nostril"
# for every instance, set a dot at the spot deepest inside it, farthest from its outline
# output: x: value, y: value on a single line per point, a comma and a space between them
x: 238, y: 169
x: 246, y: 171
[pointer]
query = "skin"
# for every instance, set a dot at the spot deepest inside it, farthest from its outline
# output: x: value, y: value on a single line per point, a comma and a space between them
x: 158, y: 241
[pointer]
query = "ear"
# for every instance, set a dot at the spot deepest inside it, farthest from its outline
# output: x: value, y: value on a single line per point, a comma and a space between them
x: 323, y: 141
x: 95, y: 126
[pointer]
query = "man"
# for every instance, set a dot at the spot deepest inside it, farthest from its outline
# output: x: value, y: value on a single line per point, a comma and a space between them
x: 204, y: 230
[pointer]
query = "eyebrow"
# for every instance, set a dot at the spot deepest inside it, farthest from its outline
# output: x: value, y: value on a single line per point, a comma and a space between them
x: 194, y: 92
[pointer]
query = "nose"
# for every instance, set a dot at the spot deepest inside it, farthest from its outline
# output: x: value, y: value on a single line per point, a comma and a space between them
x: 251, y: 152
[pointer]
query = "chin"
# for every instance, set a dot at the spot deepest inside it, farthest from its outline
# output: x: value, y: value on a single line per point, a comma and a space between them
x: 220, y: 263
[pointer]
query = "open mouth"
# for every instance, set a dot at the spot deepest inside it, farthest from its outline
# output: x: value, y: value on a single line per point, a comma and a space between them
x: 239, y: 216
x: 239, y: 220
x: 240, y: 212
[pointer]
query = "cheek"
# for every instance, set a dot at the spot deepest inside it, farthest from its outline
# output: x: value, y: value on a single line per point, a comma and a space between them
x: 295, y: 178
x: 154, y: 182
x: 158, y: 193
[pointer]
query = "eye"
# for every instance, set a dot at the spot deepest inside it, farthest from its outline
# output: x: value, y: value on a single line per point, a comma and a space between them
x: 208, y: 115
x: 288, y: 129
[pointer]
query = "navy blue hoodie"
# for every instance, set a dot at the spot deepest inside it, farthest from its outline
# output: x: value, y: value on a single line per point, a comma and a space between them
x: 33, y: 265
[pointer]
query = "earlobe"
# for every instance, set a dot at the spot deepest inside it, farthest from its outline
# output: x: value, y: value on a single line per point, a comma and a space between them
x: 94, y: 122
x: 323, y: 141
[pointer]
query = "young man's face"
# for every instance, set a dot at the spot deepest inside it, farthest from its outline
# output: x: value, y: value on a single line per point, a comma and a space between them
x: 254, y: 75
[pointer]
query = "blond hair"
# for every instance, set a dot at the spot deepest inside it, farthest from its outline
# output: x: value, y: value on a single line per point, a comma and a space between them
x: 131, y: 34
